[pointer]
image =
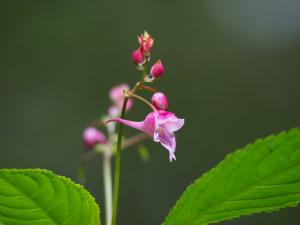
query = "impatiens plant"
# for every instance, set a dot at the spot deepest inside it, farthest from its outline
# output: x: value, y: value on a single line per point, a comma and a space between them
x: 261, y: 177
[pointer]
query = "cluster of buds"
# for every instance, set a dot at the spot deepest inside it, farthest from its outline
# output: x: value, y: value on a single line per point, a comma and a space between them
x: 142, y: 55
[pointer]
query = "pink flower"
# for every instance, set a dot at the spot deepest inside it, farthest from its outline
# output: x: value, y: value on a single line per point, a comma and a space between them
x: 138, y: 57
x: 92, y: 136
x: 117, y: 96
x: 146, y: 43
x: 160, y: 100
x: 157, y: 69
x: 160, y: 125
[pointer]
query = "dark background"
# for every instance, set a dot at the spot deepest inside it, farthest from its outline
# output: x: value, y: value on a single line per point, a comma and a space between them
x: 232, y: 71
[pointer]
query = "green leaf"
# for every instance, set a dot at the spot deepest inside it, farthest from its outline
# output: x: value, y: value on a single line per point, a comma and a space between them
x: 39, y: 197
x: 261, y: 177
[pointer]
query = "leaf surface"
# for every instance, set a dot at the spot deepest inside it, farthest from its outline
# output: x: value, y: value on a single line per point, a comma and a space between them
x: 261, y: 177
x: 39, y: 197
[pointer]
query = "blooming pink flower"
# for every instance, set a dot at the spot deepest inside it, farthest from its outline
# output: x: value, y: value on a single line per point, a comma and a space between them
x: 160, y: 125
x: 117, y: 96
x: 138, y: 57
x: 92, y: 136
x: 157, y: 69
x: 146, y: 42
x: 160, y: 100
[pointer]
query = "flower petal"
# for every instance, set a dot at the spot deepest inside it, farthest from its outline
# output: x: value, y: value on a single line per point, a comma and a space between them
x: 156, y: 136
x: 174, y: 124
x: 171, y: 156
x: 168, y: 140
x: 137, y: 125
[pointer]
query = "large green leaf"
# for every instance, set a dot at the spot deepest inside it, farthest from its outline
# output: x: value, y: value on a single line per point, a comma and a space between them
x: 262, y: 177
x: 39, y: 197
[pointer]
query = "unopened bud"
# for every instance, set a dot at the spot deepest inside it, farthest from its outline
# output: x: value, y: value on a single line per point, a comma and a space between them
x: 157, y: 69
x: 92, y: 136
x: 138, y: 57
x: 146, y: 43
x: 160, y: 101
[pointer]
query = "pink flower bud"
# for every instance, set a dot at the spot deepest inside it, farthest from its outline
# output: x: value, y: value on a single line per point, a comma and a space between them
x: 157, y: 69
x: 146, y: 43
x: 145, y: 48
x: 92, y: 136
x: 138, y: 57
x: 160, y: 101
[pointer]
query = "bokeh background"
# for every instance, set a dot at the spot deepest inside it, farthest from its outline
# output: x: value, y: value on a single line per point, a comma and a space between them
x: 232, y: 70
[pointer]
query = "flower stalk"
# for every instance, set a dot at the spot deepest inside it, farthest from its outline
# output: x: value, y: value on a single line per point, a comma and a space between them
x: 141, y: 99
x: 107, y: 181
x: 158, y: 125
x: 118, y: 165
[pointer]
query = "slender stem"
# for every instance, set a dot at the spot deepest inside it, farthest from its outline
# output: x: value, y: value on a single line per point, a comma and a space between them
x: 151, y: 89
x: 118, y: 165
x: 119, y: 148
x: 142, y: 99
x: 107, y: 187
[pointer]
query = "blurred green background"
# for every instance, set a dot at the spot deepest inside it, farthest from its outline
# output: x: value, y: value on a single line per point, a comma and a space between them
x: 232, y: 71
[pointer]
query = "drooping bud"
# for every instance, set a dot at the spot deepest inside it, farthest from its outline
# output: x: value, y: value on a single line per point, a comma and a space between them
x: 92, y: 136
x: 157, y: 69
x: 138, y: 57
x: 160, y: 101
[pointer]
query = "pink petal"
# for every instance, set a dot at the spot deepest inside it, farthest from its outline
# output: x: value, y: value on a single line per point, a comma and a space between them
x: 174, y: 124
x: 136, y: 125
x: 167, y: 140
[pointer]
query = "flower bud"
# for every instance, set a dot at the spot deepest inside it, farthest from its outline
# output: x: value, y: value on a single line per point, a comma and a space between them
x: 92, y: 136
x: 145, y: 48
x: 157, y: 69
x: 146, y: 42
x: 160, y: 101
x: 138, y: 57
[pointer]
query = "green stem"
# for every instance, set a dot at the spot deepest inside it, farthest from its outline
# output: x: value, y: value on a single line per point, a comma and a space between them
x: 107, y: 187
x: 143, y: 100
x: 118, y: 165
x: 119, y: 148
